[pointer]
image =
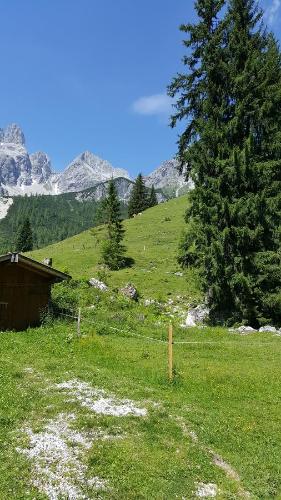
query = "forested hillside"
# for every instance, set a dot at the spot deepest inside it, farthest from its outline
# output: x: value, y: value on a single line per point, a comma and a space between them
x: 53, y: 218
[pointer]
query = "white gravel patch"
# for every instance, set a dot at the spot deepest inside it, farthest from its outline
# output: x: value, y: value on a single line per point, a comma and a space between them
x: 56, y: 454
x: 97, y: 401
x: 209, y: 490
x: 28, y: 369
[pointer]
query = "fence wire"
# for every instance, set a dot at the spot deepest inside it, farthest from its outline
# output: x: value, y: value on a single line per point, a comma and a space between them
x: 152, y: 339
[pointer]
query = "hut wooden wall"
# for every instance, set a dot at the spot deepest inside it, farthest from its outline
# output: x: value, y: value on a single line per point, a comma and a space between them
x: 23, y: 295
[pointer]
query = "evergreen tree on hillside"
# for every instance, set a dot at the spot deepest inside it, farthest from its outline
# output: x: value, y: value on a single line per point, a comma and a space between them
x: 139, y: 197
x: 231, y: 98
x: 24, y: 240
x: 113, y: 251
x: 203, y: 103
x: 152, y: 199
x: 254, y: 135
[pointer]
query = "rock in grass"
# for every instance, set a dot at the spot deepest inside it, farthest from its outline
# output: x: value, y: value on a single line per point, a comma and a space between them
x: 98, y: 284
x: 209, y: 490
x: 129, y: 291
x: 268, y: 328
x: 245, y: 329
x: 149, y: 302
x: 196, y: 315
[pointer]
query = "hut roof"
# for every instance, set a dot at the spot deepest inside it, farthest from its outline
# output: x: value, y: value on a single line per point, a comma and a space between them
x: 35, y: 266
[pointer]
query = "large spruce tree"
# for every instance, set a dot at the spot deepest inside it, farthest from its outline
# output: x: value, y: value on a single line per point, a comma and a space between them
x: 139, y: 197
x: 230, y: 96
x: 24, y: 238
x: 113, y: 250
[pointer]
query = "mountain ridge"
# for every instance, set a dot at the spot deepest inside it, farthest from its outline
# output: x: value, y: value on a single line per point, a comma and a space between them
x: 22, y: 173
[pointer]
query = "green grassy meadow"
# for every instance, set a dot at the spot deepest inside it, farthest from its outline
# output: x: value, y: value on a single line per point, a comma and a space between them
x: 95, y: 416
x: 152, y: 240
x: 225, y: 401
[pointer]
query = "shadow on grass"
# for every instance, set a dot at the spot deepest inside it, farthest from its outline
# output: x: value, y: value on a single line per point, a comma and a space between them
x: 128, y: 262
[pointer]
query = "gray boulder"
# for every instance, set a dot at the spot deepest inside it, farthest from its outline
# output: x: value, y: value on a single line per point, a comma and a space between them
x: 242, y: 330
x: 196, y: 316
x: 130, y: 291
x: 245, y: 329
x: 268, y: 328
x: 98, y: 284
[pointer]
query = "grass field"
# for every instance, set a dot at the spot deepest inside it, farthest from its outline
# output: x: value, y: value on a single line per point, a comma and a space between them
x: 96, y: 417
x: 216, y: 429
x: 152, y: 240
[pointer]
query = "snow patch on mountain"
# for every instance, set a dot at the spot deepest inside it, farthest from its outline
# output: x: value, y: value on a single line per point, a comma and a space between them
x: 24, y: 174
x: 5, y: 204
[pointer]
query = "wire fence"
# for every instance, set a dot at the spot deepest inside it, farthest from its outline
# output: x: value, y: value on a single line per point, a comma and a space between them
x: 169, y: 343
x: 83, y: 319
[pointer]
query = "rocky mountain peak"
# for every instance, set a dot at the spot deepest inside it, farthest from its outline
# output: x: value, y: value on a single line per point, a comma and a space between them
x: 12, y: 134
x: 22, y: 173
x: 87, y: 170
x: 41, y: 167
x: 168, y: 178
x: 87, y: 156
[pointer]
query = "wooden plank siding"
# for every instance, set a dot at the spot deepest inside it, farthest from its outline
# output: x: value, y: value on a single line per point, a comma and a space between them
x: 25, y: 292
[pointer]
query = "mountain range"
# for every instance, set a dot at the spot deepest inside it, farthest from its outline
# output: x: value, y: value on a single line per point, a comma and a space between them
x: 76, y: 192
x: 23, y: 173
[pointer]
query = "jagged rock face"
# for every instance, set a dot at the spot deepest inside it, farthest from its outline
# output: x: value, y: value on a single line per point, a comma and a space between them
x: 86, y: 171
x: 3, y: 192
x: 98, y: 192
x: 13, y: 134
x: 41, y: 167
x: 15, y: 166
x: 19, y: 172
x: 168, y: 178
x: 23, y: 174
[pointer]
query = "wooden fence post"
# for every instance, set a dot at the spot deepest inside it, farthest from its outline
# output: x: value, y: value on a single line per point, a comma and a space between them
x: 170, y: 352
x: 78, y: 322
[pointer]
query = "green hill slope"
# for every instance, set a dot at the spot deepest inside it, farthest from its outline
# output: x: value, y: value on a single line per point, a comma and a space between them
x: 213, y: 432
x: 53, y: 218
x: 152, y: 240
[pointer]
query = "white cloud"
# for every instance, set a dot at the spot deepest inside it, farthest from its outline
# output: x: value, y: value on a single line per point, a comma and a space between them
x: 271, y: 13
x: 157, y: 104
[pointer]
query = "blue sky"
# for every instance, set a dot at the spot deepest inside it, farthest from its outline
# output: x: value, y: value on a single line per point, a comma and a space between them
x: 92, y: 75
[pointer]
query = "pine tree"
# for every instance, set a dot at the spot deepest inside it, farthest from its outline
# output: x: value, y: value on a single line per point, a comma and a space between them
x: 24, y: 239
x: 152, y: 200
x: 113, y: 251
x: 139, y: 197
x: 203, y: 102
x: 231, y: 98
x: 254, y: 134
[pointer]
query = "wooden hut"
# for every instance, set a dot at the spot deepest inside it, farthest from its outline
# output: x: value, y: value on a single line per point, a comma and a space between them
x: 25, y: 289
